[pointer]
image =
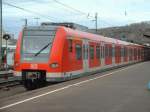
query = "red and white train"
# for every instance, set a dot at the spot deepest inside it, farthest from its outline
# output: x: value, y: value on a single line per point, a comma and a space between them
x: 58, y: 53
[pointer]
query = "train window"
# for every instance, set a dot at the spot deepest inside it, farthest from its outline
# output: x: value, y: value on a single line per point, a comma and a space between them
x: 136, y: 52
x: 107, y: 50
x: 84, y: 52
x: 133, y: 52
x: 122, y: 52
x: 78, y: 52
x: 70, y: 45
x: 139, y: 52
x: 125, y: 51
x: 97, y: 52
x: 113, y: 51
x: 103, y: 52
x: 87, y: 51
x: 110, y: 51
x: 91, y: 52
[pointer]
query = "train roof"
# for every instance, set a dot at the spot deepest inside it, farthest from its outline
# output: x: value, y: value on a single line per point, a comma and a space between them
x: 80, y: 34
x: 96, y: 37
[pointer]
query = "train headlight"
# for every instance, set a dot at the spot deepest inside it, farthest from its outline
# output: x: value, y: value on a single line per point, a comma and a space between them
x: 54, y: 65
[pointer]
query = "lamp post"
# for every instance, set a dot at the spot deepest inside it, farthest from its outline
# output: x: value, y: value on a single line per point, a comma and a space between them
x: 1, y: 35
x: 6, y: 37
x: 25, y: 22
x: 95, y: 20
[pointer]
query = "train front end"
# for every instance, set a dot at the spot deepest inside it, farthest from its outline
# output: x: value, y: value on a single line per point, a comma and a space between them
x: 32, y: 56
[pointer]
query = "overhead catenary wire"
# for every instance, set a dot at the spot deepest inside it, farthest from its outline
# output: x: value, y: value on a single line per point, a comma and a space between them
x: 52, y: 19
x: 76, y: 10
x: 79, y: 11
x: 67, y: 6
x: 29, y: 11
x: 71, y: 9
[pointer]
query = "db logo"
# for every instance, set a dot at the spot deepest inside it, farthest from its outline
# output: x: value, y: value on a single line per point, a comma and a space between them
x: 33, y: 66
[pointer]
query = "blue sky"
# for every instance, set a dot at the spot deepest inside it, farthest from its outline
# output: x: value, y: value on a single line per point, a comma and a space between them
x: 110, y: 12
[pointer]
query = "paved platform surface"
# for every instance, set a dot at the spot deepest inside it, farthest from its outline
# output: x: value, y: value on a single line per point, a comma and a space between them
x: 121, y: 90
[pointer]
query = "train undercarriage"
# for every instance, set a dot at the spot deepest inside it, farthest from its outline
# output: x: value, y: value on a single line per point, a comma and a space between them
x: 33, y: 79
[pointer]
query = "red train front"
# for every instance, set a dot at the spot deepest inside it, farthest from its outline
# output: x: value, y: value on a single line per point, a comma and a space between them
x: 57, y: 53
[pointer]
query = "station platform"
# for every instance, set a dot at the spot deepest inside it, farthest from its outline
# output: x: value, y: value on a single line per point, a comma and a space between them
x: 119, y: 90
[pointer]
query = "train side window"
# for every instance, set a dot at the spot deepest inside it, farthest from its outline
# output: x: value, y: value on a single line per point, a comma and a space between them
x: 78, y: 52
x: 101, y: 51
x: 87, y: 51
x: 70, y: 45
x: 139, y: 52
x: 110, y: 51
x: 97, y: 52
x: 125, y: 52
x: 84, y: 52
x: 122, y: 52
x: 106, y: 51
x: 113, y: 51
x: 91, y: 52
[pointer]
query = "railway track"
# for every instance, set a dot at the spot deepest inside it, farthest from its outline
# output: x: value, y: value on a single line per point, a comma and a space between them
x: 7, y: 80
x: 7, y: 85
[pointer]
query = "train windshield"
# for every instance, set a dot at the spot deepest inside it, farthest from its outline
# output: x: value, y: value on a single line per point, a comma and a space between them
x: 36, y: 44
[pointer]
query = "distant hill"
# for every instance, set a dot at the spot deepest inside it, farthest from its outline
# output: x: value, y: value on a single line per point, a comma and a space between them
x: 137, y: 32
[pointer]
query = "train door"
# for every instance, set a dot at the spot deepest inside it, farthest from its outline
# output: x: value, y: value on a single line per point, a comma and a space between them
x: 122, y: 54
x: 85, y: 55
x: 113, y: 54
x: 102, y: 54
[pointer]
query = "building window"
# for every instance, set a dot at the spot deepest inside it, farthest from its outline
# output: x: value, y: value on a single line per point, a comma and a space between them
x: 97, y: 52
x: 91, y: 52
x: 78, y: 52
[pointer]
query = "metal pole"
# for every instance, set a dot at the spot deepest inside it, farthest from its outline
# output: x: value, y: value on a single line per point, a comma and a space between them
x: 6, y: 54
x: 25, y: 22
x: 96, y: 15
x: 1, y: 32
